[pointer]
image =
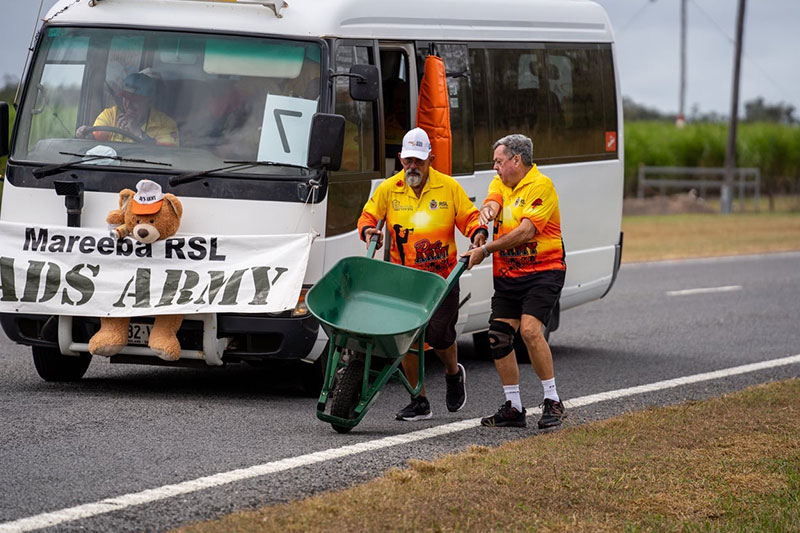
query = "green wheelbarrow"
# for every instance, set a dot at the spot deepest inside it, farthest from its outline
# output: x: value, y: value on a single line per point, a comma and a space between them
x: 373, y: 312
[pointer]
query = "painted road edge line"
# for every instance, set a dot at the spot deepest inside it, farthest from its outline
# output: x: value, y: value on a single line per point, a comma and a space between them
x: 705, y: 290
x: 168, y: 491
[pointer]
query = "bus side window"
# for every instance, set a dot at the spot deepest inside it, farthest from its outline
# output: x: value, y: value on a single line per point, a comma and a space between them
x: 519, y: 102
x: 576, y: 74
x: 482, y: 145
x: 563, y: 96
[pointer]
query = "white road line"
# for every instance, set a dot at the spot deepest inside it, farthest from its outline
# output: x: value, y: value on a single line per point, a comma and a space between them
x: 705, y: 290
x: 168, y: 491
x: 710, y: 260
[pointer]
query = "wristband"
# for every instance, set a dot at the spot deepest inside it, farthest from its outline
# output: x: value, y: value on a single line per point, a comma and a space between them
x: 486, y: 252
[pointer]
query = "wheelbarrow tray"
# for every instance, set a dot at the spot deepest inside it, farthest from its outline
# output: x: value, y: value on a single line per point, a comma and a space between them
x: 376, y: 302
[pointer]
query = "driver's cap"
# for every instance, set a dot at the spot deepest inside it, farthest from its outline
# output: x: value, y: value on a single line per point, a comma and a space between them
x: 138, y: 85
x: 148, y: 198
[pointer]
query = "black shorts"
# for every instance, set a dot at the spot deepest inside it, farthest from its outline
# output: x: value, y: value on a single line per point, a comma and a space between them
x: 441, y: 330
x: 536, y: 296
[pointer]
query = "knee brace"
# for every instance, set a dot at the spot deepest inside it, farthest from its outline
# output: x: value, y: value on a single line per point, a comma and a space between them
x: 501, y: 338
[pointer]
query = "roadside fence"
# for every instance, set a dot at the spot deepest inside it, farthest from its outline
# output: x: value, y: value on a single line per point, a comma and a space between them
x: 702, y: 179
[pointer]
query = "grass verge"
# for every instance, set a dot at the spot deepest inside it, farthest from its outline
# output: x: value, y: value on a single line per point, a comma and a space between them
x: 659, y: 237
x: 725, y: 464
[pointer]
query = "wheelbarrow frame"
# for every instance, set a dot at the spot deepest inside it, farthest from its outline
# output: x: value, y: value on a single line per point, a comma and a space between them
x: 346, y: 346
x: 372, y: 380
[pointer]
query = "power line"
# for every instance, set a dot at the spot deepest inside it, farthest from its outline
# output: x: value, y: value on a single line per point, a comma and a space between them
x: 732, y: 42
x: 635, y: 16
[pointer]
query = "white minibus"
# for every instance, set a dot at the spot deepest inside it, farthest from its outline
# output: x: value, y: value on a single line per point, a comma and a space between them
x: 234, y: 73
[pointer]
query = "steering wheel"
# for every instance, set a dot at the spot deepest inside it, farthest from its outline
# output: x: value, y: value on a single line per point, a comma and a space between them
x: 119, y: 131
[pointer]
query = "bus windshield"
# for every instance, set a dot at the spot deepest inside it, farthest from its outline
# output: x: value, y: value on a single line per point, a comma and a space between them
x: 157, y: 99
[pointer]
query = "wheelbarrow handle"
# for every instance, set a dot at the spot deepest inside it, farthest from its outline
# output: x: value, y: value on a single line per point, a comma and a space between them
x: 373, y: 241
x: 452, y: 279
x: 459, y: 269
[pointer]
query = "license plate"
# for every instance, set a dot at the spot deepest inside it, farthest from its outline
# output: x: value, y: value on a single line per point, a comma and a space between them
x: 139, y: 334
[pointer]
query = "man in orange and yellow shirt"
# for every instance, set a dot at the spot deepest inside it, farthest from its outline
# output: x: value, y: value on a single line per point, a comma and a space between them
x: 529, y: 270
x: 422, y: 208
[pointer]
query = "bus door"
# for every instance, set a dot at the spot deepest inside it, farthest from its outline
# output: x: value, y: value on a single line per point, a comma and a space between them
x: 400, y: 88
x: 350, y: 186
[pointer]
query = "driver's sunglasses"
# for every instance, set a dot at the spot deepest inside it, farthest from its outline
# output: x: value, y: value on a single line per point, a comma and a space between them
x: 408, y: 161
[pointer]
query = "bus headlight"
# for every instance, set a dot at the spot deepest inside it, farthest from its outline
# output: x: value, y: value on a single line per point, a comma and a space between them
x: 301, y: 309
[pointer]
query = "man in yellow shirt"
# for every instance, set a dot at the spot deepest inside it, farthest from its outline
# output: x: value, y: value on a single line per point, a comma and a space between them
x: 422, y: 208
x: 137, y: 116
x: 529, y: 270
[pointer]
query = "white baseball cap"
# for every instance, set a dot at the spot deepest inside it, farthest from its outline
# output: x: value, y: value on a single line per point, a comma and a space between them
x: 148, y: 198
x: 416, y: 144
x: 102, y: 150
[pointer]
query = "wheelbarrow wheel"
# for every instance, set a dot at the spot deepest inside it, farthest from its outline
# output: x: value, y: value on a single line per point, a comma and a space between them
x: 347, y: 391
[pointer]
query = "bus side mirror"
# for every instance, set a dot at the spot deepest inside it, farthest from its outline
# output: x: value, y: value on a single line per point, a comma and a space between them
x: 326, y: 141
x: 364, y: 83
x: 4, y: 126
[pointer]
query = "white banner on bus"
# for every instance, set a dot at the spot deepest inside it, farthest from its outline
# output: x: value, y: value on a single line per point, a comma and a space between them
x: 85, y: 272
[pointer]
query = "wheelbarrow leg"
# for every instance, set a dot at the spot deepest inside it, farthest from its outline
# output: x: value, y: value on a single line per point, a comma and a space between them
x: 335, y: 352
x: 420, y: 353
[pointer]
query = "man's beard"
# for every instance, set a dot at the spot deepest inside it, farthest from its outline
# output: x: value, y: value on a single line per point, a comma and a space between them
x: 413, y: 178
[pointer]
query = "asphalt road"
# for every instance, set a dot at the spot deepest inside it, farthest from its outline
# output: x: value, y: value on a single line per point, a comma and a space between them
x: 125, y: 429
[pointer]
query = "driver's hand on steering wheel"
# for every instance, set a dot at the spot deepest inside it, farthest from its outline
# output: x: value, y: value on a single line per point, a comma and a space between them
x: 83, y: 132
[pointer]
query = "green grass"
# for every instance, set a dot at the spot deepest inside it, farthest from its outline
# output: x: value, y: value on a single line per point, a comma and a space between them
x: 693, y: 467
x: 659, y: 237
x: 773, y: 148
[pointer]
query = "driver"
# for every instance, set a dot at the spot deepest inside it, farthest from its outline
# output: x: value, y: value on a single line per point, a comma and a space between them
x: 137, y: 116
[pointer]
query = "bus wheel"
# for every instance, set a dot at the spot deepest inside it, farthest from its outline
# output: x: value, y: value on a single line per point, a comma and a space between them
x: 51, y: 365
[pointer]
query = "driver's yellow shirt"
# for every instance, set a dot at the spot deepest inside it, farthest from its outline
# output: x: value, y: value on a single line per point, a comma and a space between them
x: 159, y: 126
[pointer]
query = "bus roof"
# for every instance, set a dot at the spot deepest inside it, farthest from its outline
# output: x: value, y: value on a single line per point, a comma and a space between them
x: 455, y: 20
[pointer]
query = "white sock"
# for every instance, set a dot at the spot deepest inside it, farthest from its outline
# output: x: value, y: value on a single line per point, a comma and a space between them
x: 549, y: 386
x: 512, y: 395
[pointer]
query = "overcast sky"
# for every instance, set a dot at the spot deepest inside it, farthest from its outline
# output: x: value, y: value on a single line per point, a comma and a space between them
x: 648, y: 45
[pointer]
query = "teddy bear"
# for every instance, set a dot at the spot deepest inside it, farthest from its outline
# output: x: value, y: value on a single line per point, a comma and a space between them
x: 147, y: 215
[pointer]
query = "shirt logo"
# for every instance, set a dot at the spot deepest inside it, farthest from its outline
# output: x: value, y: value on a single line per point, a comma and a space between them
x: 428, y: 251
x: 537, y: 202
x: 434, y: 205
x: 443, y: 205
x: 518, y: 202
x: 397, y: 206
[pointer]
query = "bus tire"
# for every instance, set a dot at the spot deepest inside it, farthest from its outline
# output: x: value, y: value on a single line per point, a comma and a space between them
x: 51, y: 365
x: 347, y: 392
x: 480, y: 344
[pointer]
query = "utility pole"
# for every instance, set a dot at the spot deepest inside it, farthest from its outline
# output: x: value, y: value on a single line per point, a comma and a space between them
x: 726, y: 194
x: 681, y: 119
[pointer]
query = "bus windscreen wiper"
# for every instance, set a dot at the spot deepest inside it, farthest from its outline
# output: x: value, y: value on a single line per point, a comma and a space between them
x: 232, y: 165
x: 48, y: 170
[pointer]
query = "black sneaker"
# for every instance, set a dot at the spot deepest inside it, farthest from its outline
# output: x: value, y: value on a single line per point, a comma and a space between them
x: 553, y: 413
x: 418, y: 409
x: 456, y: 395
x: 506, y: 416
